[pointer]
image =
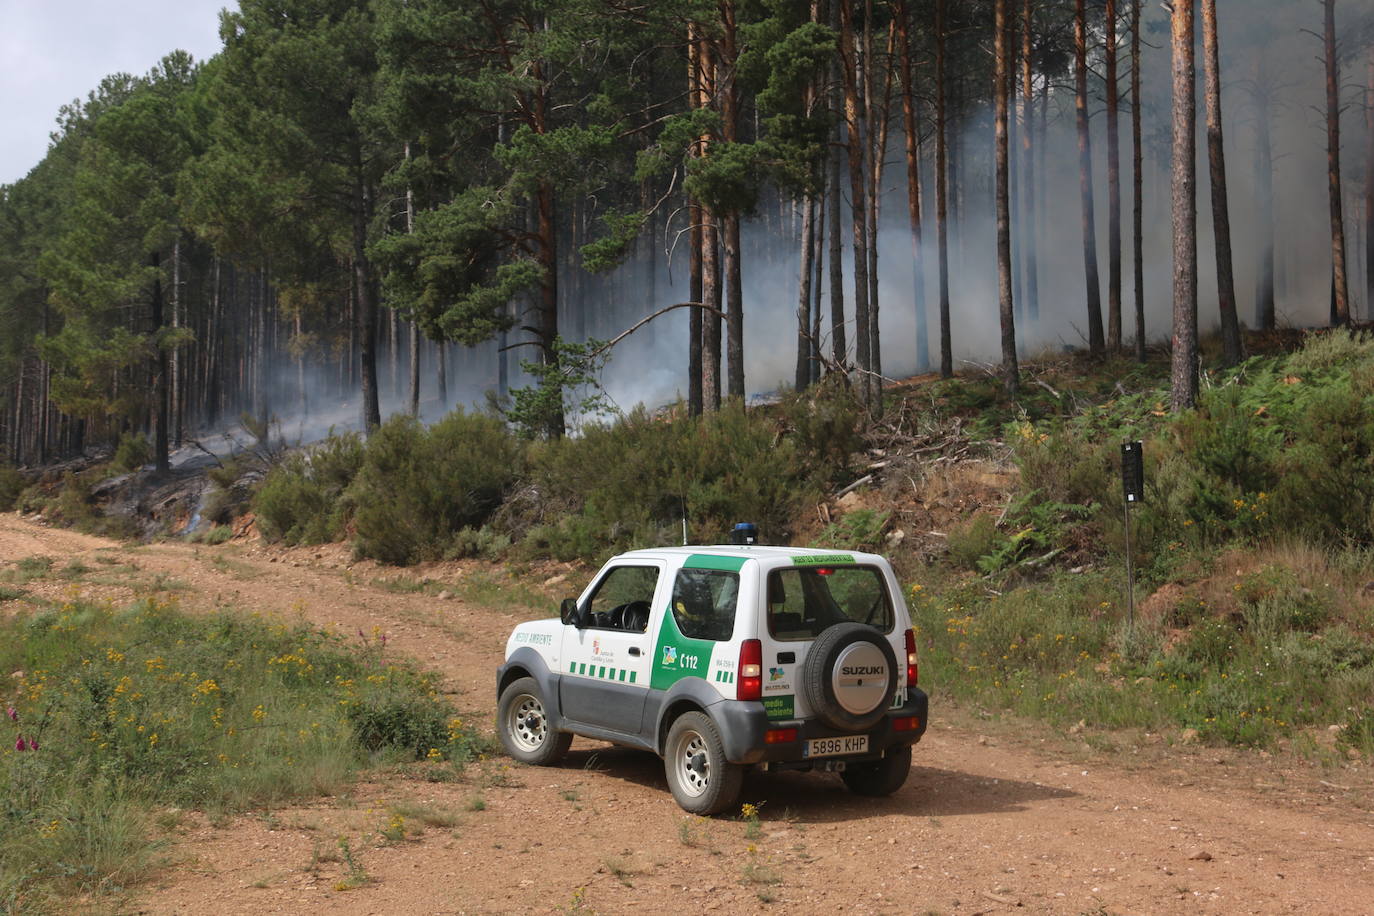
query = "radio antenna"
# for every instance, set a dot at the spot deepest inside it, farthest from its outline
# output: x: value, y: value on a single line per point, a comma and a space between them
x: 684, y: 521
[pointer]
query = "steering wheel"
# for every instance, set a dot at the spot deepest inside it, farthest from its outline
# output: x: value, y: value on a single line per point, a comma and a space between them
x: 632, y: 615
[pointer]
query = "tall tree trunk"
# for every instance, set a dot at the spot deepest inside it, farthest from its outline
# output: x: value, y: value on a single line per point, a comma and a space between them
x: 728, y: 93
x: 802, y: 378
x: 912, y: 137
x: 1005, y: 305
x: 839, y: 349
x: 1183, y: 372
x: 1113, y: 187
x: 1137, y: 187
x: 942, y: 192
x: 1031, y: 307
x: 876, y: 116
x: 1085, y: 179
x: 1339, y: 290
x: 367, y: 305
x: 1216, y: 163
x: 1261, y: 88
x: 1369, y: 190
x: 178, y: 409
x: 414, y: 325
x: 695, y: 217
x: 857, y: 206
x: 162, y: 407
x: 441, y: 369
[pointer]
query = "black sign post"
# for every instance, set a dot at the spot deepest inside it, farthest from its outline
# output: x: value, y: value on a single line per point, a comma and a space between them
x: 1132, y: 491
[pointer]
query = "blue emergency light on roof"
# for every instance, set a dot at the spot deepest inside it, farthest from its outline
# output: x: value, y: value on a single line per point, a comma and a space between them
x: 745, y: 533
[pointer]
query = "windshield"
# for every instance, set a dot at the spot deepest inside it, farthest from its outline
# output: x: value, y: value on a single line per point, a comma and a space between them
x: 804, y: 601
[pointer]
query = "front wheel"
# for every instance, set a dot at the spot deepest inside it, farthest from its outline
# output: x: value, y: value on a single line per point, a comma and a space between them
x: 524, y: 725
x: 880, y: 777
x: 702, y: 780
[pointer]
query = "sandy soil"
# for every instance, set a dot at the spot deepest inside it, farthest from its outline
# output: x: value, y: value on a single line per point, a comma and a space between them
x: 995, y: 817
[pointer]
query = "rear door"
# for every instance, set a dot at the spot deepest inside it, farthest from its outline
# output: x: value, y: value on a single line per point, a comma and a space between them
x: 803, y: 599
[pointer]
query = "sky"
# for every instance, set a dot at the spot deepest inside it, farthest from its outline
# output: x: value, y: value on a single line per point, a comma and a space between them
x: 54, y: 51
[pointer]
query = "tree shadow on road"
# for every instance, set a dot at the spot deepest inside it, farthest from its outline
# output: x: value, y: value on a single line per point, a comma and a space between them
x: 822, y: 797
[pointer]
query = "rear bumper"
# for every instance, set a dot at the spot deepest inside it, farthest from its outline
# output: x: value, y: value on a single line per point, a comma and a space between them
x: 744, y: 728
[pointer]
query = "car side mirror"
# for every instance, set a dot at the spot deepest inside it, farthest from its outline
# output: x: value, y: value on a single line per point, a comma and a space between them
x: 570, y: 614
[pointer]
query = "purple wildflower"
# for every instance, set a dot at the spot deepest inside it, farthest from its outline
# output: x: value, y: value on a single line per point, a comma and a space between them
x: 13, y: 714
x: 33, y: 744
x: 20, y: 744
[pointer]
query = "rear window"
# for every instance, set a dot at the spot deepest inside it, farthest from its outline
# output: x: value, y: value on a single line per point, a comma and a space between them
x: 804, y: 601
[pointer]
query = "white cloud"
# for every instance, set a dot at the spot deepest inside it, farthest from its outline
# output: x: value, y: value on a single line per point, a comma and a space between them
x: 54, y: 51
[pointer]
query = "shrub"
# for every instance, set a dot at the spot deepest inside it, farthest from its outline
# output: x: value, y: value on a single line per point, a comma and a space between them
x: 12, y: 483
x: 972, y: 540
x: 133, y: 452
x: 299, y: 500
x: 417, y: 487
x: 634, y: 481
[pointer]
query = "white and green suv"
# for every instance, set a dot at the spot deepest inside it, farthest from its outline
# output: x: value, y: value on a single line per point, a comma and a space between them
x: 721, y: 658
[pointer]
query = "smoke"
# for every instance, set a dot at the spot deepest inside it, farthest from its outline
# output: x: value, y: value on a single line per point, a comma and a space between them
x: 1264, y: 50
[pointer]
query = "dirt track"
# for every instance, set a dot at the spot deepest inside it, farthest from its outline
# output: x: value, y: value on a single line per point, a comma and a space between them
x: 990, y: 821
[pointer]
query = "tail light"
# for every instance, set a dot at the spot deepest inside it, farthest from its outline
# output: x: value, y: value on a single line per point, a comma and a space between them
x: 911, y: 658
x: 750, y: 683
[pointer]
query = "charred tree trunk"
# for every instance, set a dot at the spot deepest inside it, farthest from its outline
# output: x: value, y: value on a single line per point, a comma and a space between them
x: 728, y: 94
x: 1216, y: 164
x: 803, y: 374
x: 911, y: 135
x: 942, y: 192
x: 1183, y: 372
x: 1137, y: 187
x: 1340, y: 298
x: 858, y: 209
x: 162, y: 407
x: 1113, y: 187
x: 1264, y: 197
x: 1369, y: 191
x: 1031, y: 307
x: 1085, y: 179
x: 695, y: 217
x: 367, y: 305
x: 1005, y: 305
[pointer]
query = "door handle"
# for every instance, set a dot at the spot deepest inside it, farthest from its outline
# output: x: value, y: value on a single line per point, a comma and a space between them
x: 787, y: 658
x: 634, y: 650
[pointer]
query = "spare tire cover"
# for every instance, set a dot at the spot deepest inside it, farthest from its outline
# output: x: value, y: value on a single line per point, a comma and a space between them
x: 849, y: 676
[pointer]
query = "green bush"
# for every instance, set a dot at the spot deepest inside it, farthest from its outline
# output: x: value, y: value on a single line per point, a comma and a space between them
x: 299, y: 500
x: 418, y: 487
x: 972, y: 540
x: 12, y: 483
x: 133, y: 452
x: 632, y: 482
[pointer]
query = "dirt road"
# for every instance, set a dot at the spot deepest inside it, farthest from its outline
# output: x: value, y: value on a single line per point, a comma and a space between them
x: 994, y: 818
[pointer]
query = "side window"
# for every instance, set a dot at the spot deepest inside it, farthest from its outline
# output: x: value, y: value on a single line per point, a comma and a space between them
x: 623, y: 599
x: 704, y: 603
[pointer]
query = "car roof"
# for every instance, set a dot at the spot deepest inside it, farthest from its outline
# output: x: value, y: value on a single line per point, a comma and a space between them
x: 767, y: 554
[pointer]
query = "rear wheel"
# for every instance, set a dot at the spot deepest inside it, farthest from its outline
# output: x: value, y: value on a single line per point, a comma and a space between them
x: 524, y: 725
x: 702, y: 780
x: 879, y: 777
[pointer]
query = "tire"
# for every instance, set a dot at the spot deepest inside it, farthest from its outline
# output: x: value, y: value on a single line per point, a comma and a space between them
x: 880, y: 777
x: 523, y: 724
x: 855, y: 706
x: 702, y: 780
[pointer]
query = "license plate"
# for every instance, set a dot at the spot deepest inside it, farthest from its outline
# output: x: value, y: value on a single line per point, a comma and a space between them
x: 833, y: 747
